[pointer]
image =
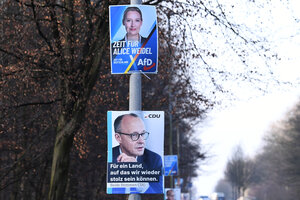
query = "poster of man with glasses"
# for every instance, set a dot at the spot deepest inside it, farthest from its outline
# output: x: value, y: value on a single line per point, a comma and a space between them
x: 135, y: 152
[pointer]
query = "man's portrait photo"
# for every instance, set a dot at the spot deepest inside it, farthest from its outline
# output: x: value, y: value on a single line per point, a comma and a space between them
x: 172, y: 193
x: 135, y: 139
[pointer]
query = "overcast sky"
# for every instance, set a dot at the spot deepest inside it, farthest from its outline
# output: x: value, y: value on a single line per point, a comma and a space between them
x: 245, y: 122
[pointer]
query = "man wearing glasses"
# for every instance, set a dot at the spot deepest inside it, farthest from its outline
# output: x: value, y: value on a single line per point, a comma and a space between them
x: 131, y: 135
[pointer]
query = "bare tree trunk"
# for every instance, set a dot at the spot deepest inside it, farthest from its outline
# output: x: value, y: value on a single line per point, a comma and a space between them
x: 74, y: 99
x: 61, y: 160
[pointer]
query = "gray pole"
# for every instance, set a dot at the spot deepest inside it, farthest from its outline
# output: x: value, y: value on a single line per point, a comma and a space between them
x: 135, y: 103
x: 132, y: 2
x: 135, y: 97
x: 171, y: 134
x: 135, y: 91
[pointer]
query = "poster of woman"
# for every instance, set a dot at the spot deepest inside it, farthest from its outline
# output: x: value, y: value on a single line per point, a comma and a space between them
x: 133, y: 38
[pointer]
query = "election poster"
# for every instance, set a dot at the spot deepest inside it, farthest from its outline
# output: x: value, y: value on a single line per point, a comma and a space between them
x: 135, y: 152
x: 171, y: 165
x: 133, y: 39
x: 178, y: 182
x: 185, y: 196
x: 172, y: 194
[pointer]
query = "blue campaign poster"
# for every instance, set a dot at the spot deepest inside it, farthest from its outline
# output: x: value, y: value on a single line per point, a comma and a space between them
x: 171, y: 165
x: 133, y: 39
x: 135, y: 144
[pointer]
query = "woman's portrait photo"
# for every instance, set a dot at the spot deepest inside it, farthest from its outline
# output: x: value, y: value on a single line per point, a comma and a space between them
x: 133, y: 21
x: 133, y: 38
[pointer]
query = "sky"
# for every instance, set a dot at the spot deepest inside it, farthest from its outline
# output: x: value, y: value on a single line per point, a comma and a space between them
x: 245, y: 122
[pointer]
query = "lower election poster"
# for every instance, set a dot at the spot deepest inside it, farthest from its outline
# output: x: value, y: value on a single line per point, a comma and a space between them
x: 172, y: 193
x: 135, y: 152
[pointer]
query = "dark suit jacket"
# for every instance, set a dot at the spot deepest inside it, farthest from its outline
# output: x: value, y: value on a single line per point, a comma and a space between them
x: 150, y: 160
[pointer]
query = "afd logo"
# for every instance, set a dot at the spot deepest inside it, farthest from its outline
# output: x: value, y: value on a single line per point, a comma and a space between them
x: 151, y: 116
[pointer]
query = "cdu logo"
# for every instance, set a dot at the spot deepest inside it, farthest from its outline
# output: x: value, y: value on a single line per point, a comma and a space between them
x: 152, y: 116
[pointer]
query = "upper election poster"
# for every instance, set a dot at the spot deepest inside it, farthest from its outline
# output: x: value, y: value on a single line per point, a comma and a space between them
x: 133, y: 39
x: 171, y: 165
x: 135, y: 142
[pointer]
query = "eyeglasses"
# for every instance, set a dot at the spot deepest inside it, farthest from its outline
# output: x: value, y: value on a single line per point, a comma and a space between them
x: 135, y: 136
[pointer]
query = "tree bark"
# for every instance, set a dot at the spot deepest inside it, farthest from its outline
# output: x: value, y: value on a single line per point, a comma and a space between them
x: 60, y: 163
x: 74, y: 99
